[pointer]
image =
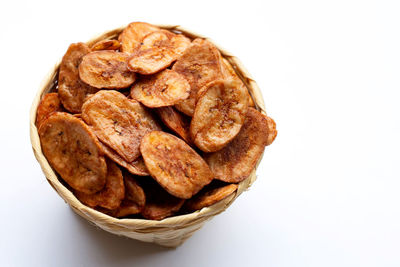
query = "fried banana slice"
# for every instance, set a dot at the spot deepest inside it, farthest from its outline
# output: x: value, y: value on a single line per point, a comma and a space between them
x: 133, y: 34
x: 159, y: 204
x: 209, y: 196
x: 106, y: 45
x: 49, y: 104
x: 162, y: 89
x: 134, y: 200
x: 157, y: 51
x: 111, y: 195
x: 106, y: 69
x: 229, y: 73
x: 72, y: 91
x: 174, y: 164
x: 119, y: 122
x: 136, y: 167
x: 175, y: 121
x: 235, y: 161
x: 272, y: 132
x: 200, y: 64
x: 219, y: 115
x: 74, y: 152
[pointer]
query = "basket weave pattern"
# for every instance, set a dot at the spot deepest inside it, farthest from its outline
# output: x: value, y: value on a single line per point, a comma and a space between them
x: 170, y: 232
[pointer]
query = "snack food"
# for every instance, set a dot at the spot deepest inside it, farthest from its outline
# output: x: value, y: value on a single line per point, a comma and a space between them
x: 106, y: 45
x: 209, y: 196
x: 49, y: 104
x: 174, y: 164
x: 235, y: 161
x: 109, y: 128
x: 175, y: 121
x: 72, y: 91
x: 219, y: 114
x: 163, y: 89
x: 157, y: 51
x: 73, y: 151
x: 111, y: 195
x: 199, y: 64
x: 118, y: 122
x: 106, y: 69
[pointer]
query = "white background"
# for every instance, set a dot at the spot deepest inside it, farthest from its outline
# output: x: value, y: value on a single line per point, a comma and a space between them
x: 327, y: 192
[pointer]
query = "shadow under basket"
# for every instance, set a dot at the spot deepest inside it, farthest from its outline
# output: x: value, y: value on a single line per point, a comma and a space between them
x: 172, y: 231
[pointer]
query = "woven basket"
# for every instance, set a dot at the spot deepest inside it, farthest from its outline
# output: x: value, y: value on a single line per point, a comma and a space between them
x: 170, y: 232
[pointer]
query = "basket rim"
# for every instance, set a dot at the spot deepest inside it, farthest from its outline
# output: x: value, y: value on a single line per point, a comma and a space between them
x: 142, y: 224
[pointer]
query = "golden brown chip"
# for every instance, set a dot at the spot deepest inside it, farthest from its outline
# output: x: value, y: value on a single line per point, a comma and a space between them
x: 135, y: 167
x: 200, y: 64
x: 111, y: 195
x: 229, y: 73
x: 175, y: 121
x: 73, y: 151
x: 219, y: 115
x: 49, y: 104
x: 159, y: 204
x: 235, y: 161
x: 133, y: 34
x: 157, y: 51
x: 162, y: 89
x: 106, y: 69
x: 118, y: 122
x: 72, y: 91
x: 106, y: 45
x: 210, y: 196
x: 272, y: 132
x: 174, y: 164
x: 134, y: 192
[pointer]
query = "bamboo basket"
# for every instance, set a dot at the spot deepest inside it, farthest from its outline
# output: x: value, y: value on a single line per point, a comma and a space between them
x: 172, y: 231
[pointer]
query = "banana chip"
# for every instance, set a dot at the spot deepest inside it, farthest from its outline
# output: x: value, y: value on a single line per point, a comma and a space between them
x: 219, y: 115
x: 111, y: 195
x: 176, y: 121
x: 200, y: 64
x: 174, y: 164
x: 159, y: 204
x: 163, y: 89
x: 49, y: 104
x: 209, y: 196
x: 157, y: 51
x: 133, y: 34
x: 119, y: 122
x: 73, y: 151
x: 235, y: 161
x: 106, y: 69
x: 106, y: 45
x: 72, y: 91
x: 136, y: 167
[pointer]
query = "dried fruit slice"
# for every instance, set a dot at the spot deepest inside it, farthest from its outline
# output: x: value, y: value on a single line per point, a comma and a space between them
x: 219, y: 115
x: 200, y: 64
x: 118, y: 122
x: 235, y: 161
x: 174, y: 164
x: 106, y: 69
x: 133, y: 34
x: 135, y: 167
x: 176, y: 121
x: 272, y: 132
x: 73, y: 151
x: 157, y: 51
x: 229, y: 73
x: 111, y: 195
x: 72, y: 91
x: 106, y: 45
x: 163, y: 89
x: 209, y: 196
x: 159, y: 204
x: 49, y: 104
